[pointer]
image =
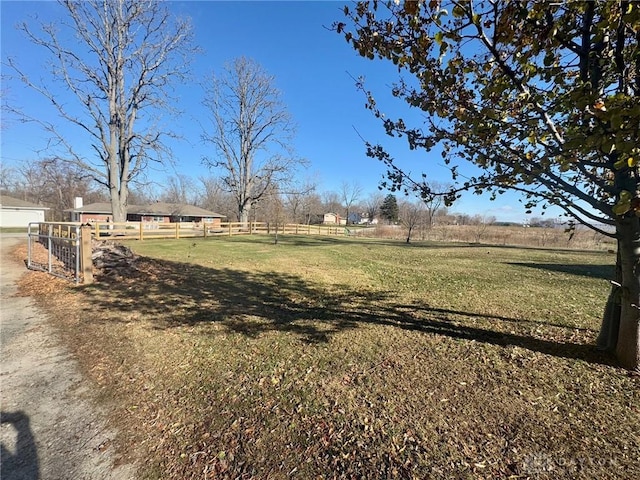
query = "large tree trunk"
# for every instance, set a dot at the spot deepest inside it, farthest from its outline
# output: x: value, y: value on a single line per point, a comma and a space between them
x: 244, y: 215
x: 118, y: 208
x: 620, y: 332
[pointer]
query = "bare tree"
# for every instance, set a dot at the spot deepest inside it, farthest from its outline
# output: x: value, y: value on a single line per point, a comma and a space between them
x: 435, y: 200
x: 251, y: 132
x: 412, y: 215
x: 143, y: 193
x: 30, y: 184
x: 298, y: 200
x: 272, y: 209
x: 8, y: 179
x: 480, y: 223
x: 52, y: 182
x: 180, y: 188
x: 349, y: 193
x: 372, y: 204
x: 215, y: 197
x: 313, y: 208
x: 115, y: 59
x: 331, y: 202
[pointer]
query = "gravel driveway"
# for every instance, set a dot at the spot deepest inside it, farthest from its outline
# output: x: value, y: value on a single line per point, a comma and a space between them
x: 50, y: 429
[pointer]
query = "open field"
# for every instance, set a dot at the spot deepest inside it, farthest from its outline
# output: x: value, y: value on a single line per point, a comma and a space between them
x: 580, y: 239
x: 325, y: 357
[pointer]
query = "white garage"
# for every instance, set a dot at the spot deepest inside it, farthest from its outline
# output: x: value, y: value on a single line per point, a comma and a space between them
x: 18, y: 213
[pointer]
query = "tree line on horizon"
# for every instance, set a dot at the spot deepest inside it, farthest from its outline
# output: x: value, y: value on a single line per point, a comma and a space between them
x: 54, y: 183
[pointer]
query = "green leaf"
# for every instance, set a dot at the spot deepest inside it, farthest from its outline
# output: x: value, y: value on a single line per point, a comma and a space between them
x: 620, y: 164
x: 458, y: 11
x: 621, y: 208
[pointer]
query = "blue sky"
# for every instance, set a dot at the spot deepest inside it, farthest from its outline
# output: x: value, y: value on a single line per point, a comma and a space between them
x: 312, y: 67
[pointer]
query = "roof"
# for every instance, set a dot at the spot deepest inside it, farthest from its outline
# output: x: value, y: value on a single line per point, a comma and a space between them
x: 159, y: 208
x: 162, y: 208
x: 99, y: 207
x: 12, y: 202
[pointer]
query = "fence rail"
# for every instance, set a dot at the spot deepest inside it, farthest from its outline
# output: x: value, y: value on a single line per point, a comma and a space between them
x: 157, y: 230
x: 62, y: 244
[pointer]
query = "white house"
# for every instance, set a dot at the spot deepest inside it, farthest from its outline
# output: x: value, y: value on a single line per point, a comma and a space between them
x: 18, y: 213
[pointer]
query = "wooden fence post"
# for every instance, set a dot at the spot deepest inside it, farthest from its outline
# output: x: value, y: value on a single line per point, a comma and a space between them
x: 86, y: 261
x: 229, y: 228
x: 141, y: 236
x: 177, y: 230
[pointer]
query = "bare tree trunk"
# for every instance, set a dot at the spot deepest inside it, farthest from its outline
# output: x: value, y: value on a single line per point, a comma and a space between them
x: 243, y: 215
x: 118, y: 206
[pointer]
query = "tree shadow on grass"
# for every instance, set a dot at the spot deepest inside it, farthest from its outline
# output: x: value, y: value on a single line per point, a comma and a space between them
x: 329, y: 240
x: 604, y: 272
x: 252, y: 303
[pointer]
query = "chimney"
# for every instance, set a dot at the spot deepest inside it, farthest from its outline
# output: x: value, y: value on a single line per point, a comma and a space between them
x: 77, y: 202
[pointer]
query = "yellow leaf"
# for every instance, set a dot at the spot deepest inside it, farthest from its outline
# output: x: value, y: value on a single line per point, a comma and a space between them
x: 632, y: 162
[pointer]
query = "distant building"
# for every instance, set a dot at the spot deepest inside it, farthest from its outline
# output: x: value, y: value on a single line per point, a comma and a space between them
x: 19, y: 213
x: 363, y: 219
x: 356, y: 218
x: 333, y: 219
x: 171, y: 212
x: 159, y: 212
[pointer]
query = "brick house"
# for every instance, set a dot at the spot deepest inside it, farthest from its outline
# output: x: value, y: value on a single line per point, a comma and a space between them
x: 159, y: 212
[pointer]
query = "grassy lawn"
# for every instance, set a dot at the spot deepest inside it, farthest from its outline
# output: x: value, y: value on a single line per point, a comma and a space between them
x: 338, y: 358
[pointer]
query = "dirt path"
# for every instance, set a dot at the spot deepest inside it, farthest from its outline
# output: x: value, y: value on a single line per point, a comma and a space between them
x: 49, y: 430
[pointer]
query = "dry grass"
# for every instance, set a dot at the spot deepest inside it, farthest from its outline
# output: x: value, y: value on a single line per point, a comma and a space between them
x: 332, y: 358
x: 582, y: 238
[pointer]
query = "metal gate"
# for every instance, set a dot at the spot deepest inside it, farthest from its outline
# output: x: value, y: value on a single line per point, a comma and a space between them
x: 55, y: 248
